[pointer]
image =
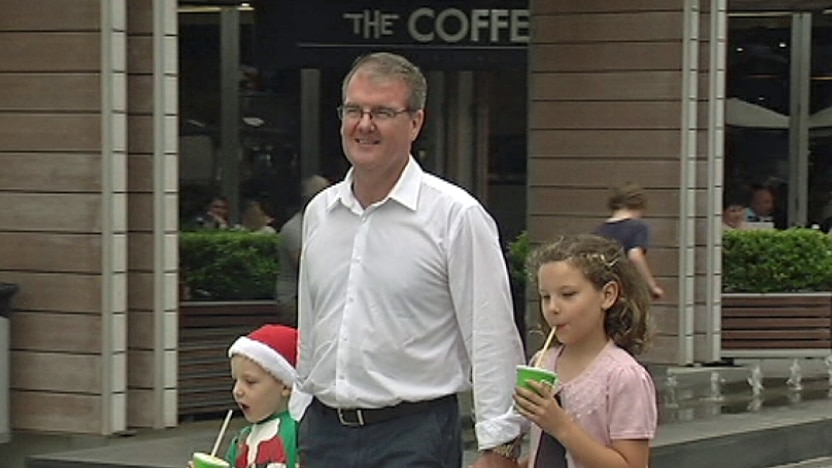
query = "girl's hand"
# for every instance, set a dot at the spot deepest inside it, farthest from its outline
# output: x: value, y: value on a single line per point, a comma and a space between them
x: 541, y: 407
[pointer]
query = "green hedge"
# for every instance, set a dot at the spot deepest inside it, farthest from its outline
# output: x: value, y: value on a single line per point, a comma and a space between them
x: 794, y: 260
x: 228, y: 265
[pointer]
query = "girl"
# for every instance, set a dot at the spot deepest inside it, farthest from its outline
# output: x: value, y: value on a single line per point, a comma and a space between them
x: 604, y: 411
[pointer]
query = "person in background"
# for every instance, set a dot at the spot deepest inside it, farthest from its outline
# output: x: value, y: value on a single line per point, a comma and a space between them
x: 404, y: 298
x: 216, y: 216
x: 604, y: 411
x: 256, y: 218
x: 761, y: 206
x: 734, y: 204
x: 289, y: 248
x: 628, y: 203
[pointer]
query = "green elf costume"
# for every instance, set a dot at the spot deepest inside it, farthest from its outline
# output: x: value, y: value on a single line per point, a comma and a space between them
x: 272, y: 442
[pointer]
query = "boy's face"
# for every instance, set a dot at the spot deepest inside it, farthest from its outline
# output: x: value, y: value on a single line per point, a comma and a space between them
x: 257, y: 392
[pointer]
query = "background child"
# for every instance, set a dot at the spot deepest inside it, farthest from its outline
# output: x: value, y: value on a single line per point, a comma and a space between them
x: 263, y: 369
x: 625, y: 225
x: 604, y: 413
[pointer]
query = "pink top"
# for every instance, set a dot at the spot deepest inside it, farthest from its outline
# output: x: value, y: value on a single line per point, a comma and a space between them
x: 614, y: 398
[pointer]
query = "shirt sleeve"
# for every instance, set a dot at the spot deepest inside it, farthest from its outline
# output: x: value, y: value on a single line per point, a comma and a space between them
x: 300, y: 399
x: 632, y: 397
x: 478, y: 281
x: 641, y: 236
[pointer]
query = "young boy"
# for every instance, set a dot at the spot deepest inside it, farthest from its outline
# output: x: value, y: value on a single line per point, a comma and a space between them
x: 263, y: 369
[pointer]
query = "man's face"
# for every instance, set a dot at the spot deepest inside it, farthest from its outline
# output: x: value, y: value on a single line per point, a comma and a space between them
x: 762, y: 202
x: 376, y: 143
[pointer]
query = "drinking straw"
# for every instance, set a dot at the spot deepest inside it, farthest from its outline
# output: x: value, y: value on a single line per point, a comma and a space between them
x: 222, y: 433
x: 551, y: 336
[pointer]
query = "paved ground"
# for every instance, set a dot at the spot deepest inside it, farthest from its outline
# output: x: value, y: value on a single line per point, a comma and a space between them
x: 707, y: 436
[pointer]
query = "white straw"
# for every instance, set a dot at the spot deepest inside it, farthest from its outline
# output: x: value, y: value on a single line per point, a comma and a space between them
x: 551, y: 336
x: 222, y: 433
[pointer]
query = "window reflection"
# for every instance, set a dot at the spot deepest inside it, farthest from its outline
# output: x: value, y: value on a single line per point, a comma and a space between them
x: 757, y: 107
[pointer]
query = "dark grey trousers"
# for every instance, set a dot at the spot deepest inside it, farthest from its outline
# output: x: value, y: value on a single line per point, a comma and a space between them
x: 429, y: 439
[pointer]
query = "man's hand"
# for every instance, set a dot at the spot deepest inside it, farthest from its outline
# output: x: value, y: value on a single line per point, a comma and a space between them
x: 493, y: 460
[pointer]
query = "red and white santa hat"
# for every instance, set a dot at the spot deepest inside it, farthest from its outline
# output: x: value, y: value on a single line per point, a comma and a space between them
x: 273, y: 347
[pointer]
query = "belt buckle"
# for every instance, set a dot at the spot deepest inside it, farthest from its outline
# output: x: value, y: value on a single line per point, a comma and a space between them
x: 359, y: 417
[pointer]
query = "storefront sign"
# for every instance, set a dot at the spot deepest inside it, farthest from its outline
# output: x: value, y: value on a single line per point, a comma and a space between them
x: 443, y: 33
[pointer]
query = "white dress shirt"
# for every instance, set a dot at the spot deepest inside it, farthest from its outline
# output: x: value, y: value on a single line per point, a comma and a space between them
x: 406, y: 300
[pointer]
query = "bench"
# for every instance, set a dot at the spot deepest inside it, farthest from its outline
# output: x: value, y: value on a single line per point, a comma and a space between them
x: 776, y: 325
x: 206, y: 330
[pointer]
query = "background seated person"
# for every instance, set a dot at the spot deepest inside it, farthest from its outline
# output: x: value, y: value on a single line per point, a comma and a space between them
x: 734, y: 206
x: 761, y: 206
x: 216, y: 216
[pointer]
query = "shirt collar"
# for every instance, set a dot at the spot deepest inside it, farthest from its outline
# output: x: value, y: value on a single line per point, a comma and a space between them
x: 405, y: 191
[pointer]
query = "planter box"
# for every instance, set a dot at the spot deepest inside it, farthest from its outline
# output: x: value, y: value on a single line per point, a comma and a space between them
x: 776, y: 325
x: 206, y: 330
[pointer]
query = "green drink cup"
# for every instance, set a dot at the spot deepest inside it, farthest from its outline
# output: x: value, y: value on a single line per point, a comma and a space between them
x: 536, y: 374
x: 204, y: 460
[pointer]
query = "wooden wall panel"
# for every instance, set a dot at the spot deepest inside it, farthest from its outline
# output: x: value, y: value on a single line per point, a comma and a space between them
x: 611, y: 115
x: 142, y: 368
x: 35, y: 92
x: 58, y: 372
x: 616, y: 144
x: 140, y: 329
x: 543, y: 7
x: 140, y: 54
x: 51, y: 15
x: 140, y: 16
x: 613, y: 86
x: 140, y: 92
x: 140, y: 173
x: 140, y: 212
x: 641, y: 26
x: 140, y: 290
x: 139, y: 407
x: 56, y: 412
x: 50, y: 132
x: 139, y: 134
x: 74, y: 293
x: 593, y: 201
x: 587, y: 172
x: 140, y: 255
x: 49, y: 212
x: 53, y: 172
x: 606, y: 56
x: 51, y: 52
x: 54, y: 332
x: 50, y: 252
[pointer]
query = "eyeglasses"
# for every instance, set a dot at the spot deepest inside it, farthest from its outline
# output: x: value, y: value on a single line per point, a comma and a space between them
x: 377, y: 114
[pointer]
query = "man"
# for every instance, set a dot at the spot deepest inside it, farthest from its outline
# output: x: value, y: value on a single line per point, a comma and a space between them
x: 403, y: 298
x: 288, y: 249
x: 628, y: 203
x: 761, y: 207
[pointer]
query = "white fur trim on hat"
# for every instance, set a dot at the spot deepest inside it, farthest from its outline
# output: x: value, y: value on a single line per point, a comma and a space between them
x: 269, y: 359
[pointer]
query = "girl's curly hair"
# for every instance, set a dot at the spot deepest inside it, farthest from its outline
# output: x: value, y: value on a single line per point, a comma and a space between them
x: 628, y: 322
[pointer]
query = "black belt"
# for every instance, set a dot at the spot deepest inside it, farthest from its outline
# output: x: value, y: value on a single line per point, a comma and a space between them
x: 363, y: 417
